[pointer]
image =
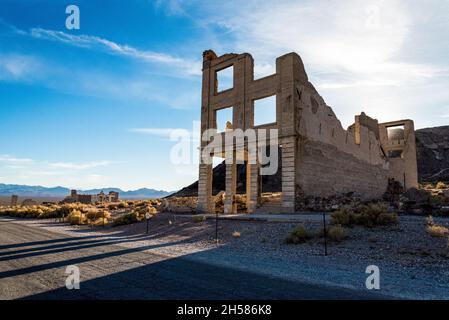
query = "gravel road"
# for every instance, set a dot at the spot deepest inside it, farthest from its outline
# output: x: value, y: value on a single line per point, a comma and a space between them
x: 34, y: 256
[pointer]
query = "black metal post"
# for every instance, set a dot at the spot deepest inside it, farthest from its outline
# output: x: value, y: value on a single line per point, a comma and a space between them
x: 216, y: 227
x: 148, y: 223
x: 325, y: 235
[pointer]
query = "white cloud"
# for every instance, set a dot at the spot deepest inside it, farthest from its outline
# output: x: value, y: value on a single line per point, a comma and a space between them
x: 93, y: 42
x: 10, y: 159
x: 41, y: 167
x: 161, y: 132
x: 18, y: 67
x: 33, y: 172
x: 171, y: 7
x: 392, y: 52
x: 79, y: 166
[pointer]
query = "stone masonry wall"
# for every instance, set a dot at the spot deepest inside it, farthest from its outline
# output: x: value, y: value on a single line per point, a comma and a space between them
x: 326, y: 171
x: 330, y: 159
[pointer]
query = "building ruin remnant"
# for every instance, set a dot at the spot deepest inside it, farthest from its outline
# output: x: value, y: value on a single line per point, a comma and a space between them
x: 101, y: 197
x: 318, y: 157
x: 14, y: 200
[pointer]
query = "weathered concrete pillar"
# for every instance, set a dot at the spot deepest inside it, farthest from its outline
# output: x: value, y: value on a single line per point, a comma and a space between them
x: 288, y: 174
x: 205, y: 203
x: 252, y: 187
x: 291, y: 71
x: 230, y: 205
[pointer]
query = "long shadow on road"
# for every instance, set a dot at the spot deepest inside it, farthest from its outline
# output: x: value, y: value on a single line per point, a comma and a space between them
x: 73, y: 261
x: 184, y: 278
x: 64, y: 247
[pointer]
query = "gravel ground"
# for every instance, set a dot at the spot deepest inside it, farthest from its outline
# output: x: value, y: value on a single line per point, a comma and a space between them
x: 412, y: 263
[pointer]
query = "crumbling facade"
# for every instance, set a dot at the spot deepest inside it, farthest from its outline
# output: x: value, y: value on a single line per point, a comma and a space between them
x: 318, y: 157
x: 14, y: 200
x: 112, y: 196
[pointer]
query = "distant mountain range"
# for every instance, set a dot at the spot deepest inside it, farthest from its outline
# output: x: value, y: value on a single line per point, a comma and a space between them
x: 61, y: 192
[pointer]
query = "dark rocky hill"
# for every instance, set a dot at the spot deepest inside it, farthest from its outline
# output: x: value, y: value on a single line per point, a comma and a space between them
x: 433, y: 154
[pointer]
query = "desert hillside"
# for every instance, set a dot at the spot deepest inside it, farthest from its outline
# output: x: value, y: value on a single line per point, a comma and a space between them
x: 433, y: 154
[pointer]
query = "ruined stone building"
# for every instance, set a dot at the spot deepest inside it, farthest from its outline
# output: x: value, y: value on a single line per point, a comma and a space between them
x: 318, y: 156
x: 101, y: 197
x: 14, y: 200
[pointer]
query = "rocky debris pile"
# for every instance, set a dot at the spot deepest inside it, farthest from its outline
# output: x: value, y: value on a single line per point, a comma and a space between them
x: 330, y: 203
x: 179, y: 205
x: 425, y: 201
x: 394, y: 191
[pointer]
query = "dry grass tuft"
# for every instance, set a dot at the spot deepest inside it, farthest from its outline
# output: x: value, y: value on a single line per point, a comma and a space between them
x: 236, y: 234
x: 441, y: 185
x: 437, y: 231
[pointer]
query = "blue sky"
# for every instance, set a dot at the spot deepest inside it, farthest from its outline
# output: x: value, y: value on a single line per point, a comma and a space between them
x: 94, y: 107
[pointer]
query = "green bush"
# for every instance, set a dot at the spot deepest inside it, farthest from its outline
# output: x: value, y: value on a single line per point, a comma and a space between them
x: 299, y: 235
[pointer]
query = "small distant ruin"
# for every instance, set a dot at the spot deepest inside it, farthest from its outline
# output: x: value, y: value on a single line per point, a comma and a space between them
x: 319, y: 158
x: 14, y: 200
x: 101, y: 197
x: 29, y: 202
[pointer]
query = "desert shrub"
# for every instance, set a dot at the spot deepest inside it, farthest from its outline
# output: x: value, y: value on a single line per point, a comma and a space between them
x: 76, y: 217
x: 128, y: 218
x: 142, y: 210
x: 198, y: 219
x: 92, y: 213
x: 36, y: 211
x: 441, y: 185
x: 427, y: 186
x: 336, y: 233
x: 385, y: 219
x: 99, y: 222
x: 369, y: 216
x: 437, y: 231
x: 299, y: 235
x: 344, y: 217
x: 122, y: 205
